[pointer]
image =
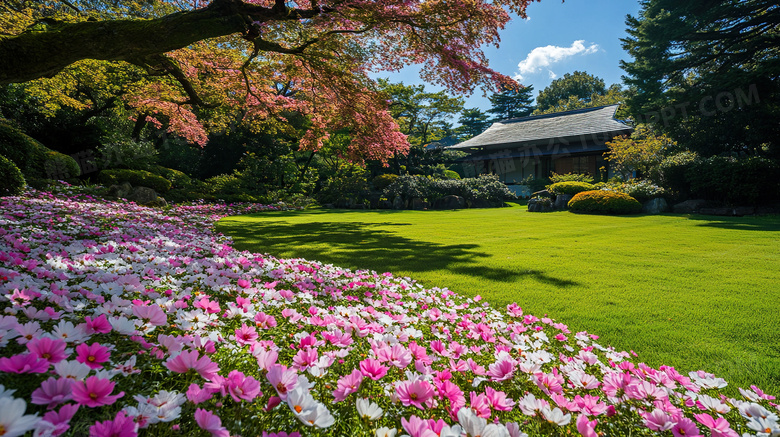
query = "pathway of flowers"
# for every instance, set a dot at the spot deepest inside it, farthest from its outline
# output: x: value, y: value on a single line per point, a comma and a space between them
x: 120, y: 320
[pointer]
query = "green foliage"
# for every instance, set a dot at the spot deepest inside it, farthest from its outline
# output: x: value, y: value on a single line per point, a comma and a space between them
x: 512, y: 103
x: 15, y: 145
x: 641, y: 190
x: 690, y: 75
x: 570, y: 187
x: 613, y: 95
x: 536, y: 184
x: 121, y: 152
x: 383, y: 181
x: 671, y: 173
x: 580, y: 85
x: 450, y: 174
x: 472, y: 123
x: 642, y: 151
x: 225, y: 184
x: 483, y: 188
x: 351, y: 181
x: 136, y: 178
x: 604, y: 202
x: 178, y: 179
x: 34, y: 159
x: 736, y: 181
x: 570, y: 177
x: 12, y: 182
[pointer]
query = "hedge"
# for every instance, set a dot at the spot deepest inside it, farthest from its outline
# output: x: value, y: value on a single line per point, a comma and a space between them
x: 570, y: 187
x: 136, y: 178
x: 604, y: 202
x: 12, y: 183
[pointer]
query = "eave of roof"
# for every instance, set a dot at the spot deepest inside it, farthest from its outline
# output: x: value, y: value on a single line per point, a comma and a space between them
x: 549, y: 128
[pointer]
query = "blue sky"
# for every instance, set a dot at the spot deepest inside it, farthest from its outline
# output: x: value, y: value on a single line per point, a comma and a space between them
x: 557, y: 38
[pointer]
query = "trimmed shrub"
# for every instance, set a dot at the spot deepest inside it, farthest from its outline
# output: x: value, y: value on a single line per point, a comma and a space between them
x: 449, y: 174
x: 15, y: 145
x: 487, y: 187
x: 737, y: 181
x: 35, y: 160
x: 59, y: 166
x: 136, y: 178
x: 570, y: 187
x: 408, y: 187
x: 641, y: 190
x: 671, y: 172
x: 178, y: 179
x: 12, y: 183
x: 384, y: 180
x: 571, y: 177
x: 604, y: 202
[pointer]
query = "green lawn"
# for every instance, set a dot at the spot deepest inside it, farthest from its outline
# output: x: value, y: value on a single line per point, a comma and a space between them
x: 695, y: 292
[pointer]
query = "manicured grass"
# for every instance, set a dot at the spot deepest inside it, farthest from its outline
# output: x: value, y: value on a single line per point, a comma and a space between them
x: 694, y: 292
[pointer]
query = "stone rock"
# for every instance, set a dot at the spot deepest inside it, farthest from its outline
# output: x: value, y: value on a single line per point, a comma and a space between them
x: 120, y: 191
x: 398, y: 203
x: 481, y: 203
x: 142, y: 195
x: 419, y: 204
x: 744, y: 210
x: 540, y: 204
x: 450, y: 202
x: 689, y: 206
x: 543, y: 193
x: 562, y: 201
x: 655, y: 206
x: 716, y: 211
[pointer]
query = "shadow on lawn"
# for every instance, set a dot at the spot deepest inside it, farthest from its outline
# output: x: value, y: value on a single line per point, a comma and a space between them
x: 760, y: 223
x: 360, y: 245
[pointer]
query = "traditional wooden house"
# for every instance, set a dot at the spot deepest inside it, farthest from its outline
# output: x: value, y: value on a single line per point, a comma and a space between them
x: 563, y: 142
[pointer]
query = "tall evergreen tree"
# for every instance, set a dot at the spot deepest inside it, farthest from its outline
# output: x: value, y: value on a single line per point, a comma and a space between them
x: 707, y: 72
x: 579, y: 85
x: 472, y: 123
x: 512, y: 103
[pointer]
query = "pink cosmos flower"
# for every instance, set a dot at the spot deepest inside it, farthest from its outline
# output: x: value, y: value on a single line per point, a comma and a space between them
x: 94, y: 392
x: 93, y: 356
x: 305, y: 358
x: 586, y: 427
x: 658, y: 420
x: 197, y: 395
x: 480, y: 405
x: 264, y: 321
x: 589, y: 405
x: 265, y: 358
x: 453, y: 393
x: 245, y: 335
x: 414, y: 393
x: 121, y: 426
x: 501, y: 370
x: 498, y: 400
x: 187, y: 360
x: 210, y: 422
x: 23, y: 363
x: 60, y: 420
x: 241, y: 386
x: 282, y: 379
x: 417, y: 427
x: 373, y: 369
x: 151, y: 314
x: 347, y: 385
x: 47, y: 349
x: 685, y: 428
x: 53, y: 391
x: 719, y: 427
x: 207, y: 305
x: 98, y: 325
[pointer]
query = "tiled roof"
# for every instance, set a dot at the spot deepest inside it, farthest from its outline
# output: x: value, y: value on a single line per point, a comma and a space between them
x: 543, y: 128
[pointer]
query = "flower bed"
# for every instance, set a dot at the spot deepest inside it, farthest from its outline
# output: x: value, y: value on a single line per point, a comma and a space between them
x: 121, y: 320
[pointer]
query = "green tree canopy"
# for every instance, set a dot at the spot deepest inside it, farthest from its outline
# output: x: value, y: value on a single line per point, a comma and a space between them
x: 613, y: 95
x: 579, y: 84
x: 707, y: 73
x: 512, y: 103
x: 472, y: 123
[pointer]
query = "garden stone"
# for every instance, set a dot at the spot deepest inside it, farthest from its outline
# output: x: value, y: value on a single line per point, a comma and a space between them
x: 689, y: 206
x: 744, y: 210
x: 120, y: 191
x: 481, y: 203
x: 419, y: 204
x: 655, y: 206
x: 539, y: 205
x: 398, y: 203
x: 450, y: 202
x: 543, y: 193
x: 142, y: 195
x: 562, y: 201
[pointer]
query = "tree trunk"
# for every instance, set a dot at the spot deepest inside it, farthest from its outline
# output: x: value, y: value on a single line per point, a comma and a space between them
x: 35, y: 54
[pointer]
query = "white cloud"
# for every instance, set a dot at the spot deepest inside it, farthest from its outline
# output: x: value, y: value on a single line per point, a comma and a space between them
x: 544, y: 57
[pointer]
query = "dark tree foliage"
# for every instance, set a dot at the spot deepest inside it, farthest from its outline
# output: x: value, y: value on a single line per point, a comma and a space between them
x: 472, y: 123
x: 512, y: 103
x: 706, y: 72
x: 579, y: 84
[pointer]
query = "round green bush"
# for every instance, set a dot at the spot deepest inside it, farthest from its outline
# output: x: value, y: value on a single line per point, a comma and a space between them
x: 15, y: 145
x: 136, y: 178
x: 604, y: 202
x: 178, y: 179
x: 384, y: 180
x: 450, y: 174
x: 570, y: 187
x: 12, y: 182
x: 58, y: 166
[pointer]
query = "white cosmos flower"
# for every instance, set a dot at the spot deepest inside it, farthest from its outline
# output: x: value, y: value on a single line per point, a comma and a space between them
x: 5, y: 393
x: 300, y: 400
x: 68, y: 332
x: 13, y: 421
x: 368, y: 410
x: 123, y: 325
x: 470, y: 422
x: 318, y: 417
x: 385, y: 432
x: 556, y: 416
x: 71, y: 369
